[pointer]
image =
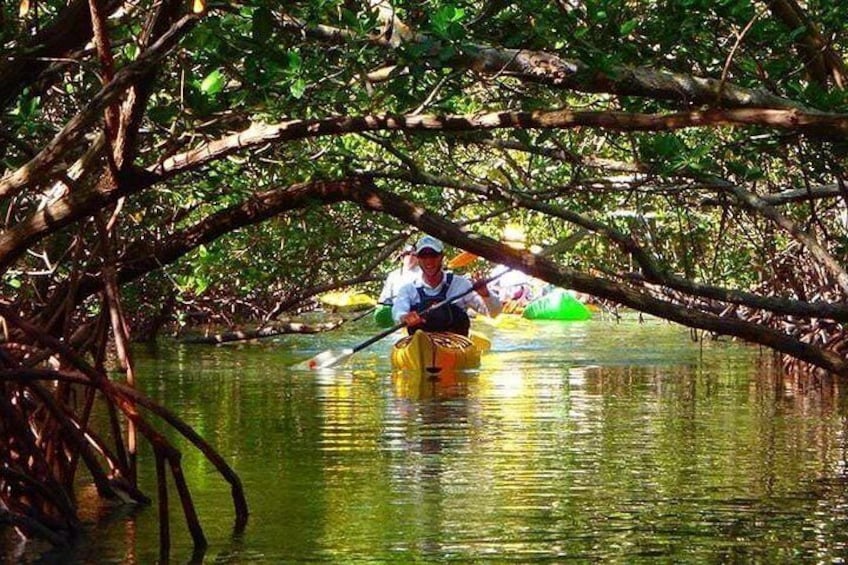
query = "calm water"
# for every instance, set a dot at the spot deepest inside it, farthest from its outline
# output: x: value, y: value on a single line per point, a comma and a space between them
x: 575, y: 442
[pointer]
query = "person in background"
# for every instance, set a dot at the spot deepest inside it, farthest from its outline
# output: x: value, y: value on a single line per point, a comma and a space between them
x: 514, y: 287
x: 407, y: 272
x: 435, y: 285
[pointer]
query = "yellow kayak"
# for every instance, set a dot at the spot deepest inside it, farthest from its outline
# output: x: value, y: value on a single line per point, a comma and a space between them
x: 347, y: 301
x: 504, y: 321
x: 446, y: 351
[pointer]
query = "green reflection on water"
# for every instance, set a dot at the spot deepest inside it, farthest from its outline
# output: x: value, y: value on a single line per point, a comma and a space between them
x: 589, y: 441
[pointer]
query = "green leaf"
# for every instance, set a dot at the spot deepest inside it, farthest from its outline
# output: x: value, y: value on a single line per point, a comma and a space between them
x: 293, y: 61
x: 200, y: 285
x: 131, y: 51
x: 163, y: 114
x: 667, y: 145
x: 297, y: 88
x: 522, y: 136
x: 448, y: 14
x: 27, y: 106
x: 213, y: 83
x: 446, y: 21
x: 627, y: 27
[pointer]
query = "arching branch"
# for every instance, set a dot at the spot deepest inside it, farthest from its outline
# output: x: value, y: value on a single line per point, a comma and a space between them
x: 559, y: 72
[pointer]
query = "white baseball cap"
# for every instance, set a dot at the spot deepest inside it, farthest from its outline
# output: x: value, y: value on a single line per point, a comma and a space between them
x: 429, y: 242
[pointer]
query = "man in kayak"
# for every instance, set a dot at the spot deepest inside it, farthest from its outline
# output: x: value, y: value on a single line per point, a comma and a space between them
x: 407, y: 272
x: 435, y: 285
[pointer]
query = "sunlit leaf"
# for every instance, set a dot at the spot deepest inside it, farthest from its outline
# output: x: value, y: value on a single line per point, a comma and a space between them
x: 200, y: 285
x: 199, y: 6
x: 627, y: 27
x: 298, y: 87
x: 23, y: 9
x: 213, y: 83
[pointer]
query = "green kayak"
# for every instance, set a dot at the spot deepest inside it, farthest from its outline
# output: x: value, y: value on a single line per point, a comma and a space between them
x: 557, y: 305
x: 383, y: 316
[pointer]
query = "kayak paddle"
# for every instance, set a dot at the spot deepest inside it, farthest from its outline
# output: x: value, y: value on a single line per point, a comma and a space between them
x: 331, y: 358
x: 461, y: 260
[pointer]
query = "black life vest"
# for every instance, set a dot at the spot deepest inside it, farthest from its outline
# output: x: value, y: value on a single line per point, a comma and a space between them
x: 449, y: 318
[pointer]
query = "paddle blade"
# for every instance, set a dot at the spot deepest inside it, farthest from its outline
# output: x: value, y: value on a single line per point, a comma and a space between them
x: 461, y: 260
x: 325, y: 359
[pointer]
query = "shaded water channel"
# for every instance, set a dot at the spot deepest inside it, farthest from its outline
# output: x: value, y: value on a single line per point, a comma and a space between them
x: 594, y: 441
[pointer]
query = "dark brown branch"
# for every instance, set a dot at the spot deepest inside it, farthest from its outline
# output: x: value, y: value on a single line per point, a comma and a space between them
x: 162, y: 17
x: 822, y: 63
x: 258, y: 134
x: 162, y: 496
x: 236, y: 489
x: 69, y: 31
x: 33, y: 526
x: 52, y: 152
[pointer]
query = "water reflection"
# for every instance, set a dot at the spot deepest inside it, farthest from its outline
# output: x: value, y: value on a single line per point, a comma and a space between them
x: 436, y: 384
x: 585, y: 442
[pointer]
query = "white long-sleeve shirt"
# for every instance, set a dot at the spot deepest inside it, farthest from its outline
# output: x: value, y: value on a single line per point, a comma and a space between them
x: 408, y: 297
x: 395, y: 280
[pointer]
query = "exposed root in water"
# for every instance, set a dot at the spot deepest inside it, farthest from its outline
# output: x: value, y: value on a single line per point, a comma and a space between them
x: 46, y: 418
